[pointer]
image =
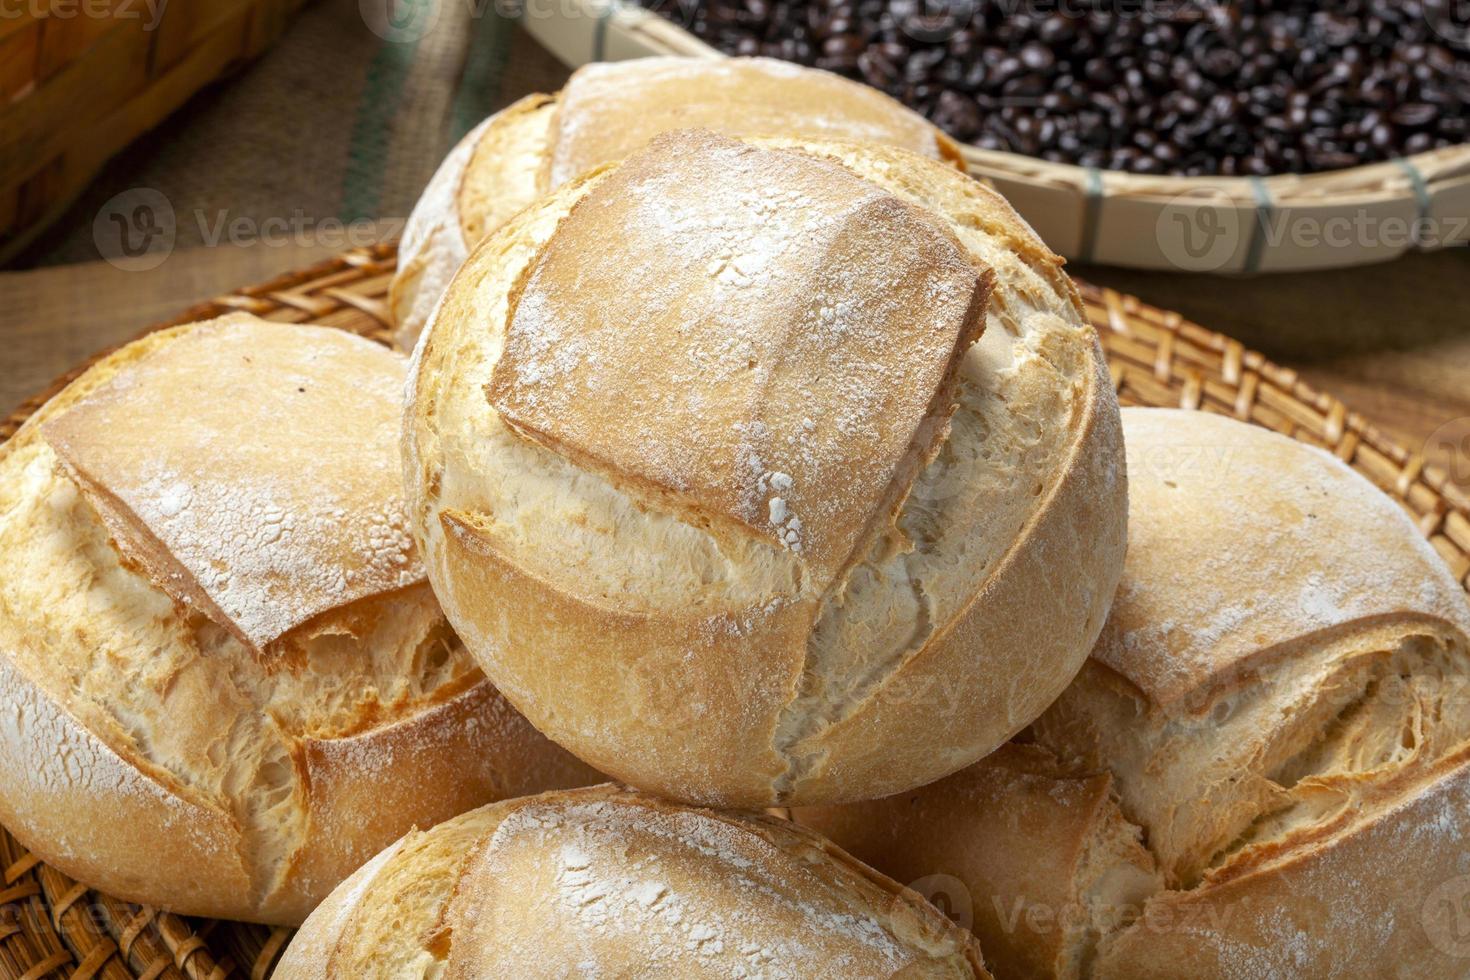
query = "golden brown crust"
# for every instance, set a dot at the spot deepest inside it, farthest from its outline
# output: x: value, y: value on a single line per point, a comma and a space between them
x: 488, y: 176
x: 1381, y: 900
x: 548, y: 641
x: 350, y: 814
x: 1197, y: 605
x: 260, y: 535
x: 625, y: 884
x: 709, y: 666
x: 971, y: 842
x: 607, y: 111
x: 1304, y: 804
x: 139, y: 727
x: 707, y: 368
x: 57, y: 779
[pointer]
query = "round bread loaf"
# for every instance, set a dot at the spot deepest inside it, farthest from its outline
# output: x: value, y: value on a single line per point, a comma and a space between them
x: 1264, y: 768
x: 605, y: 112
x: 604, y: 882
x: 226, y: 682
x: 710, y: 475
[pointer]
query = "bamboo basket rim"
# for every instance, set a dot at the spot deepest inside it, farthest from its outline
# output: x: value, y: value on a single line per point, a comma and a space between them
x: 52, y: 925
x: 1363, y: 179
x: 1093, y: 212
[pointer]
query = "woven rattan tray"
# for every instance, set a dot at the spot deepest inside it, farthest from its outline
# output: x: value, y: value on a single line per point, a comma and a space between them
x: 52, y: 926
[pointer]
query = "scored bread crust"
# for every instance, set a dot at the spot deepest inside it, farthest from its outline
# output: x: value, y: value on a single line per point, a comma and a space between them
x: 101, y: 788
x: 516, y: 888
x: 972, y: 838
x: 845, y: 392
x: 270, y: 534
x: 1304, y: 797
x: 506, y: 162
x: 732, y: 686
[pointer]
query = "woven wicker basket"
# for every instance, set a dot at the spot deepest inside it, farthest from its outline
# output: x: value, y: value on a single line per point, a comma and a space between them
x: 81, y: 79
x: 1277, y: 224
x: 52, y: 926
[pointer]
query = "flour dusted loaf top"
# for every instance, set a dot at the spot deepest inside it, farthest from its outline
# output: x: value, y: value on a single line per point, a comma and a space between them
x: 712, y: 476
x: 605, y: 882
x: 607, y: 111
x: 227, y: 683
x: 1264, y: 768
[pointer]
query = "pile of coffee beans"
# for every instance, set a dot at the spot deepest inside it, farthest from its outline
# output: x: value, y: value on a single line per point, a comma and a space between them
x: 1194, y: 87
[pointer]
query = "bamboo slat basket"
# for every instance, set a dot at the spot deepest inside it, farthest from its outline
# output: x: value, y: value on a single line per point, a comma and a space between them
x: 81, y: 79
x: 52, y: 926
x: 1193, y: 224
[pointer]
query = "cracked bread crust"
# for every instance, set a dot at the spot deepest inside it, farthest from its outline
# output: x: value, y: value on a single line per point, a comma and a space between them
x: 606, y: 111
x: 758, y: 363
x: 712, y: 668
x: 1302, y: 801
x: 609, y: 882
x: 137, y: 725
x: 972, y: 839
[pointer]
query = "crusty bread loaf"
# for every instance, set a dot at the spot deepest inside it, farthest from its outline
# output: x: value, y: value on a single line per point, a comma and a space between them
x: 605, y: 882
x: 606, y: 111
x: 226, y: 681
x: 1264, y: 768
x: 710, y: 478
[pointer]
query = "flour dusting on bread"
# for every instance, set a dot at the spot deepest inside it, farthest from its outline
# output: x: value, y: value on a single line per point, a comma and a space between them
x: 139, y: 725
x: 608, y: 882
x: 755, y: 338
x: 649, y: 616
x: 1267, y: 567
x: 609, y: 109
x: 260, y: 534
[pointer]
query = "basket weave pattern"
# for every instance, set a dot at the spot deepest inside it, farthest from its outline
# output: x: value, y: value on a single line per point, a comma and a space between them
x: 51, y: 925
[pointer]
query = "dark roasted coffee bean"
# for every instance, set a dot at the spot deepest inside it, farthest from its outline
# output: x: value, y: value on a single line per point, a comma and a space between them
x: 957, y: 115
x: 1414, y: 114
x: 1418, y: 143
x: 1037, y: 57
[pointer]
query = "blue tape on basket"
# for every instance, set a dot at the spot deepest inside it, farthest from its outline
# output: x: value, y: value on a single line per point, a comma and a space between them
x: 1421, y: 198
x: 1419, y: 184
x: 1091, y: 213
x: 599, y: 31
x: 1265, y: 211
